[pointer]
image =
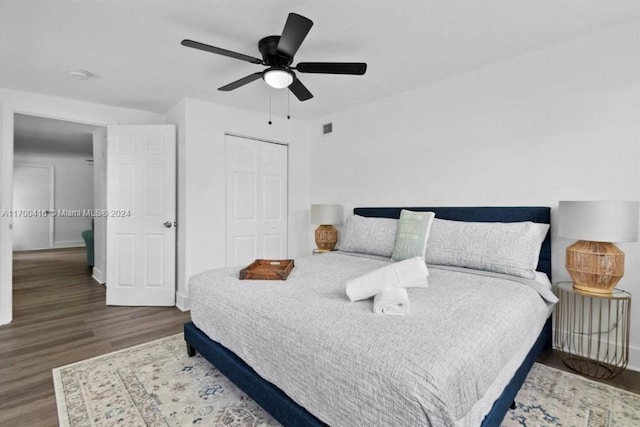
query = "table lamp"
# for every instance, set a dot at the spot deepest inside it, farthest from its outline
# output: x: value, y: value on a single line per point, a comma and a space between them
x: 594, y: 263
x: 326, y: 216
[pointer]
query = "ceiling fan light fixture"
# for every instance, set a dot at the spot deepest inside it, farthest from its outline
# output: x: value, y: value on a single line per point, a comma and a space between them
x: 278, y: 78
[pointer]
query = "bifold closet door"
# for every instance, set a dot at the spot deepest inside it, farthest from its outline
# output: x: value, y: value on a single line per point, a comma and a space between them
x: 256, y: 200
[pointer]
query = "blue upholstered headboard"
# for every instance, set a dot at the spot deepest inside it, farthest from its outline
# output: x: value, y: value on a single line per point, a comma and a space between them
x: 481, y: 214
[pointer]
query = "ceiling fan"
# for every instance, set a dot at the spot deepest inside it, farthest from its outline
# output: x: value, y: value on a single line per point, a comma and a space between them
x: 277, y: 54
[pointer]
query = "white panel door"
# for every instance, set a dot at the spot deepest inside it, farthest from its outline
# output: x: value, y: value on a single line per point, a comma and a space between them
x: 32, y: 204
x: 256, y: 200
x: 141, y: 214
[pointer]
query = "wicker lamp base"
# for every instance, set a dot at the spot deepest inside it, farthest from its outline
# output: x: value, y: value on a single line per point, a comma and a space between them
x: 326, y: 237
x: 595, y: 267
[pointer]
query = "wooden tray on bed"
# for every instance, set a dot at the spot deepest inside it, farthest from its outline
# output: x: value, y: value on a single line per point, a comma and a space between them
x: 267, y: 269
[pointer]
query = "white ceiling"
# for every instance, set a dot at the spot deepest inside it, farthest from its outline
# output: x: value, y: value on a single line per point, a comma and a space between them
x: 133, y: 46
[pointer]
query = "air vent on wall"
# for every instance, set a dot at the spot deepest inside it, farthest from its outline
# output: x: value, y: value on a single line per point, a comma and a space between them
x: 327, y: 128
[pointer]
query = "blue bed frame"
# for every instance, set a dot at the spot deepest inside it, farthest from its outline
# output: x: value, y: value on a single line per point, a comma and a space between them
x: 289, y: 413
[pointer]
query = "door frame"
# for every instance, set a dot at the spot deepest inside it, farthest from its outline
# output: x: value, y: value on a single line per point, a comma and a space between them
x: 7, y: 115
x: 52, y: 194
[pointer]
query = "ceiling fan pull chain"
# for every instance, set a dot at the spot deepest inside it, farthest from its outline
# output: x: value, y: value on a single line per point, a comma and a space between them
x: 269, y: 106
x: 288, y: 105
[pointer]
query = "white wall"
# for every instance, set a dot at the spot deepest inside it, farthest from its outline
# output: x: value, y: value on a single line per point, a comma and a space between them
x: 73, y: 189
x: 561, y: 123
x: 12, y: 102
x: 201, y: 182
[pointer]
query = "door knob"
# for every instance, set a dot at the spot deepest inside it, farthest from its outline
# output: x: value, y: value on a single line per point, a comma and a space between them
x: 168, y: 224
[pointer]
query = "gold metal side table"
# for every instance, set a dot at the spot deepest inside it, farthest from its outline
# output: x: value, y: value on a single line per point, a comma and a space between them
x: 592, y: 330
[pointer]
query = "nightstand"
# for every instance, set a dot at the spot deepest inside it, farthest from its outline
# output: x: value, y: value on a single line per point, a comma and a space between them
x: 592, y: 330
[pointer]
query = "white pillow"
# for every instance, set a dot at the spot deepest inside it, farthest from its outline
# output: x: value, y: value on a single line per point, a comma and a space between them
x: 373, y: 236
x: 509, y: 248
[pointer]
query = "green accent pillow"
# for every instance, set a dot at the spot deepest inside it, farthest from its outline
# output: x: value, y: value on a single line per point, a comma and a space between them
x: 412, y: 234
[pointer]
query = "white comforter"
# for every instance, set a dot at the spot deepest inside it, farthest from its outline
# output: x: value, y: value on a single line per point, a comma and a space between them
x: 442, y: 364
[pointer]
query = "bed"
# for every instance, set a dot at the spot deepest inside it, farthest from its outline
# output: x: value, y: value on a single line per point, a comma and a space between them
x: 271, y: 358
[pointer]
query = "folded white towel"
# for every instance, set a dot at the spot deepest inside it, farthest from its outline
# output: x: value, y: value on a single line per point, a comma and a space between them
x: 394, y: 301
x: 410, y: 273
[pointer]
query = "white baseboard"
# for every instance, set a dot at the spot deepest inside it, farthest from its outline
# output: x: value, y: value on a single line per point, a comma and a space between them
x: 634, y: 359
x: 183, y: 302
x: 98, y: 276
x: 5, y: 318
x: 69, y: 244
x: 31, y: 249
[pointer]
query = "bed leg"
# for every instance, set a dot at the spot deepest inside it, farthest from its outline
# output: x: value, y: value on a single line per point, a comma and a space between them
x: 513, y: 405
x: 191, y: 350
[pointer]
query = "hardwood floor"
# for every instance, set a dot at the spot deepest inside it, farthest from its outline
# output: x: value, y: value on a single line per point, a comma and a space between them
x: 60, y: 317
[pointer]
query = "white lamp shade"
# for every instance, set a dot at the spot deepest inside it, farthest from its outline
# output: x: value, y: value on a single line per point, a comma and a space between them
x: 326, y: 214
x: 599, y: 221
x: 277, y: 78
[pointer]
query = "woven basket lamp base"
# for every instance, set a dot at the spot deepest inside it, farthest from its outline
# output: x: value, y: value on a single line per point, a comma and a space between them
x: 326, y: 237
x: 595, y: 267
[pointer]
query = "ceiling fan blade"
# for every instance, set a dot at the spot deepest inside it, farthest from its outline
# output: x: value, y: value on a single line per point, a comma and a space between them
x: 243, y: 81
x: 357, y: 68
x: 300, y: 90
x: 220, y: 51
x: 295, y: 30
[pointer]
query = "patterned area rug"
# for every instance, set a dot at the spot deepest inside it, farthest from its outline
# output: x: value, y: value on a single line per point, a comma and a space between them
x: 551, y: 397
x: 153, y: 384
x: 157, y: 384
